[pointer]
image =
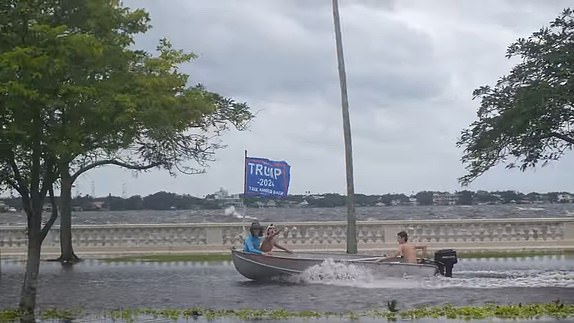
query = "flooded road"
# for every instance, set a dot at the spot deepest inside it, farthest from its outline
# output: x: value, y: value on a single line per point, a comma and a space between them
x: 97, y: 286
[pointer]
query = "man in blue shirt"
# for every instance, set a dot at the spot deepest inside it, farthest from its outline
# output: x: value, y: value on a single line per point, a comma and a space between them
x: 252, y: 243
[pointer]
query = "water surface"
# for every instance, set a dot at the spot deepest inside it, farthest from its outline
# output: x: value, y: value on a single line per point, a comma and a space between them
x: 313, y: 214
x: 97, y: 286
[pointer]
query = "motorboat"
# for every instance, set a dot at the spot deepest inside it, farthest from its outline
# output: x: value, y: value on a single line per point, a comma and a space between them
x: 280, y: 264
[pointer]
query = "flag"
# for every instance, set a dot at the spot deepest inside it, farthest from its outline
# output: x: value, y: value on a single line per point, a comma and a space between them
x: 267, y: 178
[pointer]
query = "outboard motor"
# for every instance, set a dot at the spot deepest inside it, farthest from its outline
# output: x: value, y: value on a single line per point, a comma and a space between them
x: 445, y: 260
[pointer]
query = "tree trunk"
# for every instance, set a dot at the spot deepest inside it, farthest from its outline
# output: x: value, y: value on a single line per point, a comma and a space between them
x: 30, y: 286
x: 66, y: 248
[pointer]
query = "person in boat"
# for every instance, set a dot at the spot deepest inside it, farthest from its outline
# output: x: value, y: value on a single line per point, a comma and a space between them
x: 406, y: 250
x: 252, y: 243
x: 270, y: 240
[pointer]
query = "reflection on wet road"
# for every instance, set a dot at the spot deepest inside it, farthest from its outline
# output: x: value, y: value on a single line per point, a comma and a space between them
x: 97, y: 286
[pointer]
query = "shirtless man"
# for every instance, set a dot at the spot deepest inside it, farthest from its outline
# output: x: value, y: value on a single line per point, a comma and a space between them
x: 270, y: 240
x: 407, y: 250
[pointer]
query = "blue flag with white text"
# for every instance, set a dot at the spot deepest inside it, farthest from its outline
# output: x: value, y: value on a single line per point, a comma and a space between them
x: 267, y: 178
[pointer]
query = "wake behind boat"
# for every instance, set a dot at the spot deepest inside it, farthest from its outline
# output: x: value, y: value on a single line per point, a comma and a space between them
x: 280, y: 264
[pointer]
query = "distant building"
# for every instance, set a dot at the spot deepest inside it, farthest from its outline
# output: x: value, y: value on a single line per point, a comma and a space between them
x: 223, y: 198
x: 444, y: 198
x: 271, y: 203
x: 221, y: 194
x: 98, y: 205
x: 498, y: 199
x: 564, y: 198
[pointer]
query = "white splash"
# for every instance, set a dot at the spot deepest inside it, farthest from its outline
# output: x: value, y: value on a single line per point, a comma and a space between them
x: 349, y: 275
x: 329, y: 270
x: 230, y: 211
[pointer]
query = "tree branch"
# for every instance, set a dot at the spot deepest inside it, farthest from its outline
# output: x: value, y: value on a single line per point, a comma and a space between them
x: 48, y: 179
x: 53, y: 216
x: 113, y: 162
x: 20, y: 186
x: 563, y: 137
x: 15, y: 186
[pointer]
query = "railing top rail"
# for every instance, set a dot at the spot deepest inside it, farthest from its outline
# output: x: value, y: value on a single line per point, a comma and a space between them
x: 316, y: 223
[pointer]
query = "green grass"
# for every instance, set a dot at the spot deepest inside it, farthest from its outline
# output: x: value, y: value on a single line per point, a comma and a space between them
x: 171, y: 258
x: 554, y: 309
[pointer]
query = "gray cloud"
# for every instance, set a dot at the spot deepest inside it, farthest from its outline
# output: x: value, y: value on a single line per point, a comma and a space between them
x: 411, y: 64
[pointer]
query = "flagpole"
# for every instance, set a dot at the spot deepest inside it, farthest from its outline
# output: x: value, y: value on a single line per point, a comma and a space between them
x: 244, y: 191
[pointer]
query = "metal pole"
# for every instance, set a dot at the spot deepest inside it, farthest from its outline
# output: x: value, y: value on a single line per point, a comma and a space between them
x: 351, y: 221
x: 244, y: 192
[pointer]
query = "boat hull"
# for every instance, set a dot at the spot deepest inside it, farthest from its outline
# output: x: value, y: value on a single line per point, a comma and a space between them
x: 266, y: 267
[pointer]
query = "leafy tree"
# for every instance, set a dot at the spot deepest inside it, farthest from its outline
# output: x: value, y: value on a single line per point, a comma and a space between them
x: 484, y: 197
x: 424, y: 198
x: 115, y: 203
x: 160, y: 201
x: 366, y: 200
x: 133, y: 111
x: 75, y: 95
x: 509, y: 196
x: 465, y: 197
x: 25, y: 162
x: 553, y: 197
x: 134, y: 203
x: 528, y: 115
x: 327, y: 200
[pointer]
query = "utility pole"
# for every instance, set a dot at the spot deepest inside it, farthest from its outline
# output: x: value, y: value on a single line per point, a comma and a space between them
x: 351, y: 220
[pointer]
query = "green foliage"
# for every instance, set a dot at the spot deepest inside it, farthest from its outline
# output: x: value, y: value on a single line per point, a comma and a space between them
x: 528, y: 115
x: 166, y: 201
x: 424, y: 198
x: 60, y: 314
x: 509, y: 196
x: 533, y: 311
x: 9, y: 315
x: 74, y: 91
x: 465, y: 197
x: 554, y: 309
x: 75, y: 95
x: 328, y: 200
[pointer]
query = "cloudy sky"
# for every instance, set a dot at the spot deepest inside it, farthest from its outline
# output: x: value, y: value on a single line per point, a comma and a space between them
x: 411, y: 68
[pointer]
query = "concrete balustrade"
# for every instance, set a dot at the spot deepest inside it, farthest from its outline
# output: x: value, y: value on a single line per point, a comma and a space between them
x: 373, y: 236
